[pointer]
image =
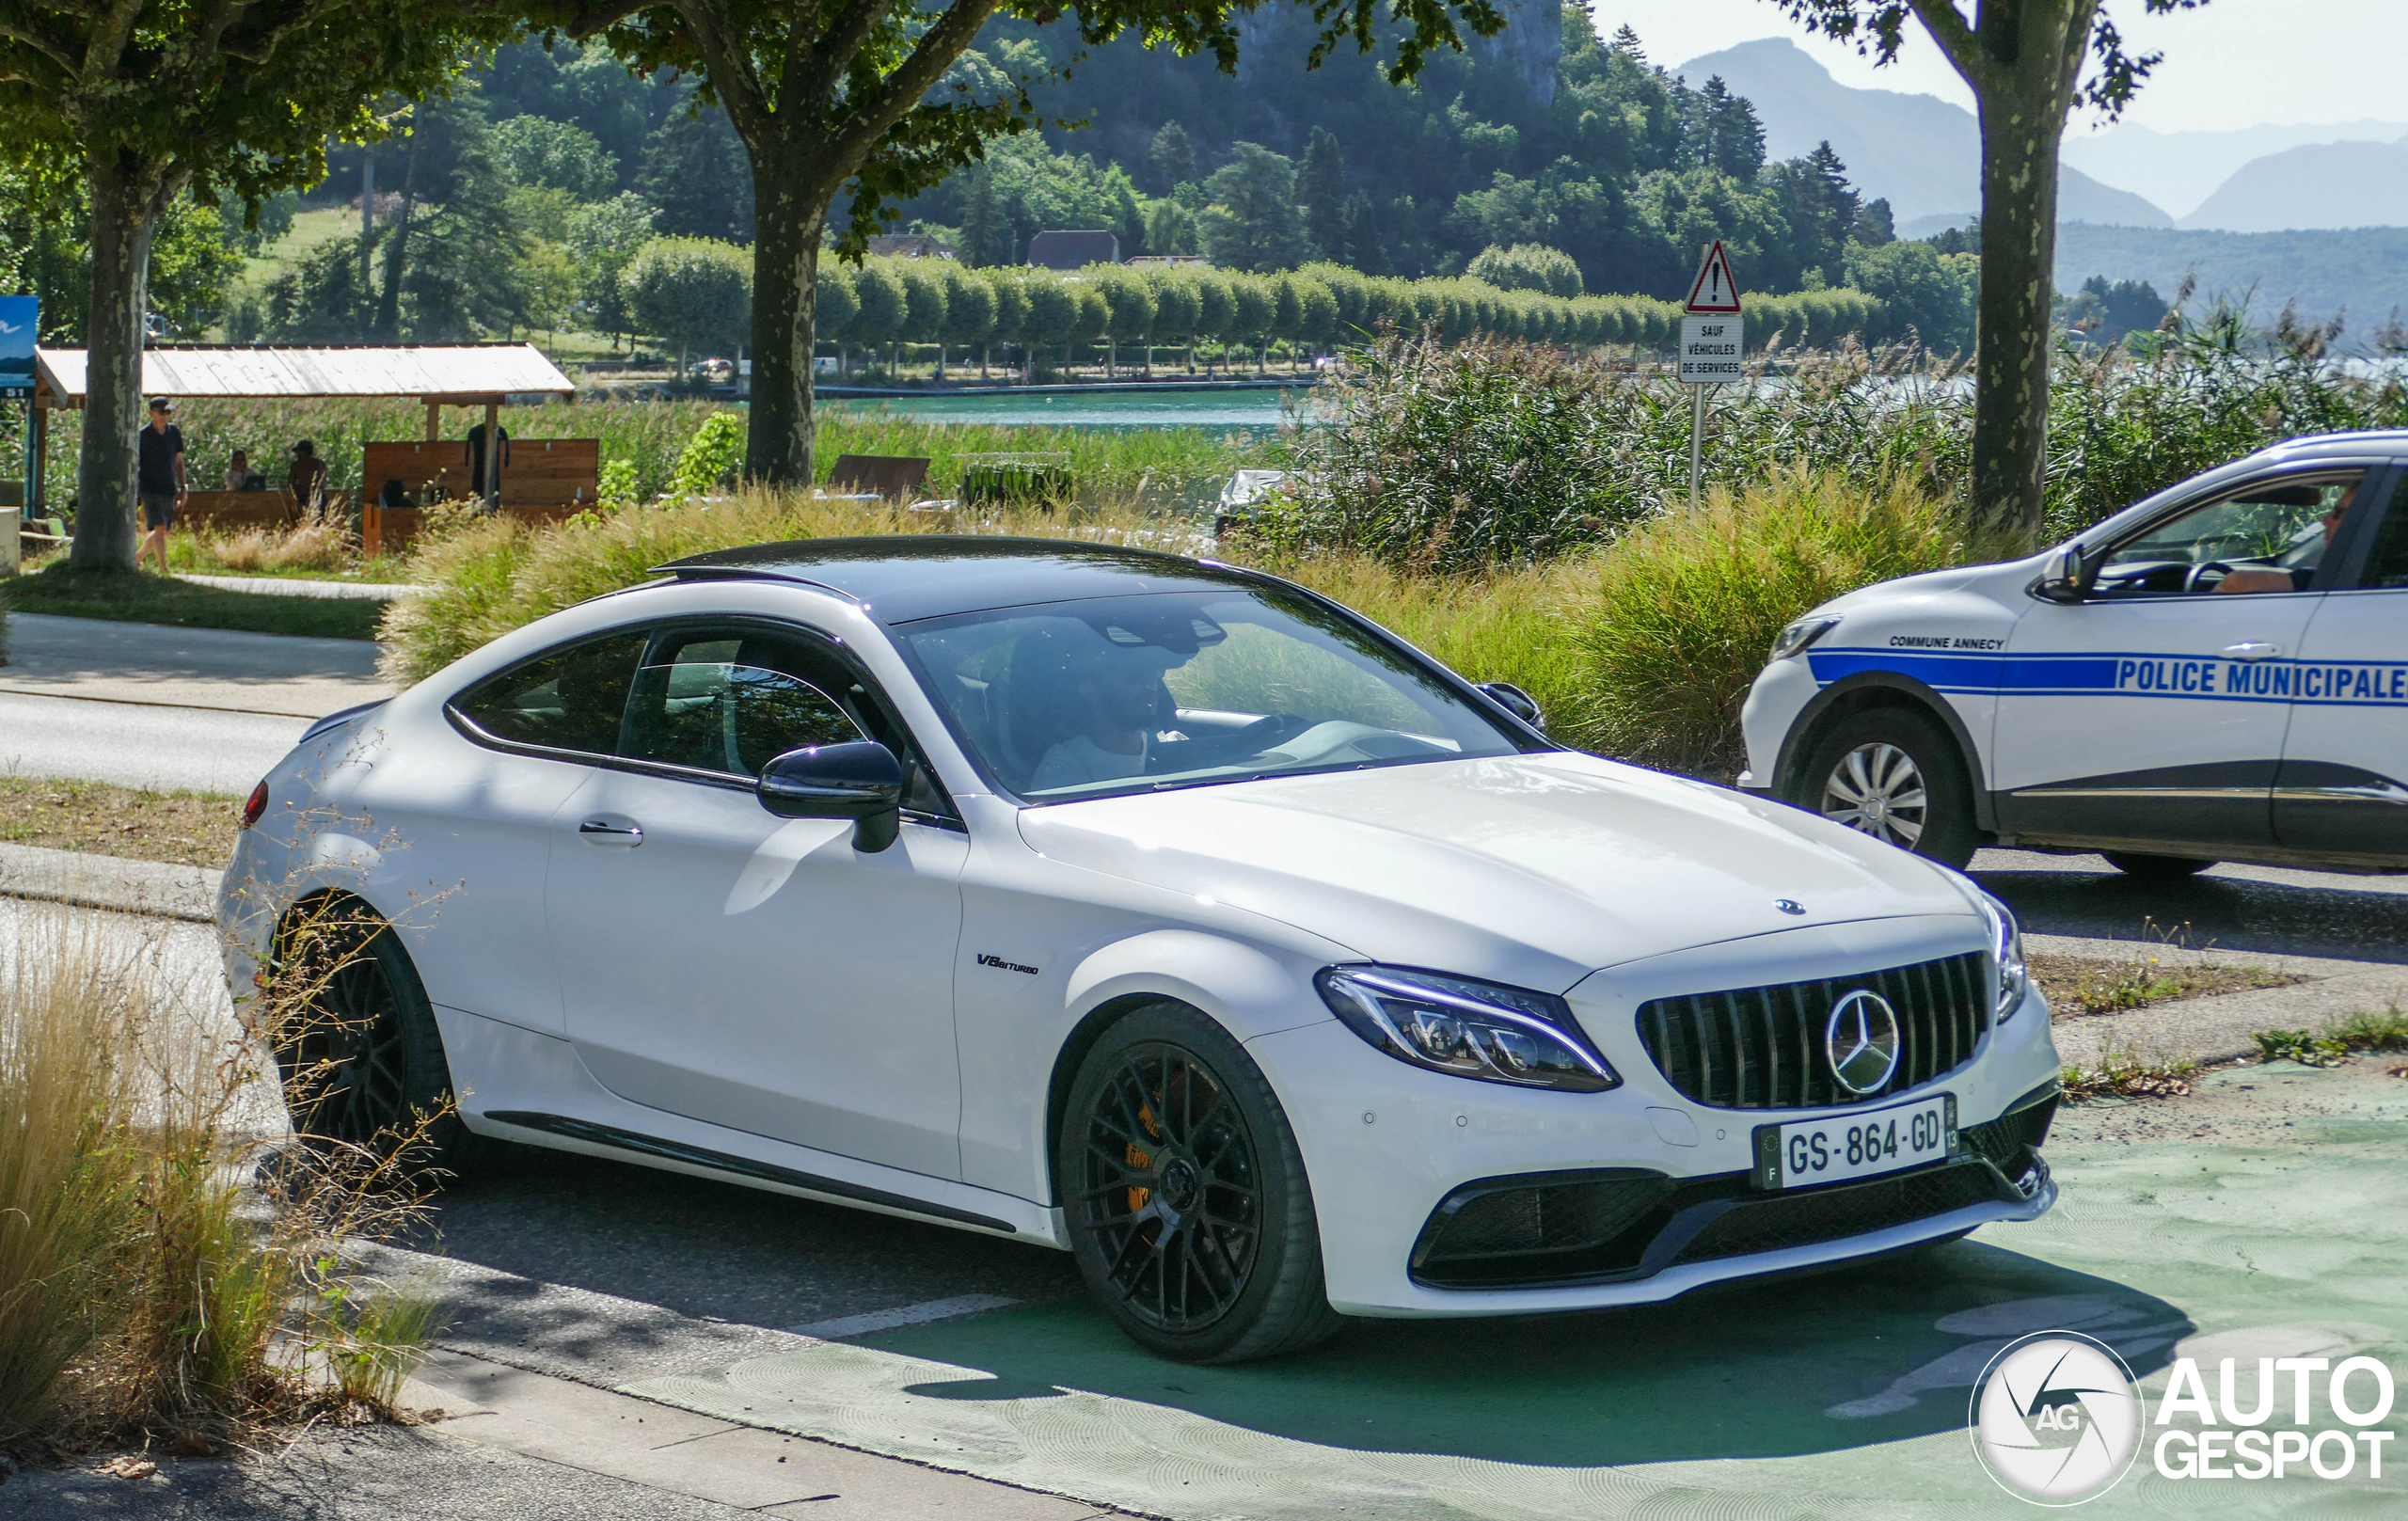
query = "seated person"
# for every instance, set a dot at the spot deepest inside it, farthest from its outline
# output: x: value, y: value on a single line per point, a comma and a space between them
x: 1117, y: 688
x: 2301, y: 573
x: 241, y: 477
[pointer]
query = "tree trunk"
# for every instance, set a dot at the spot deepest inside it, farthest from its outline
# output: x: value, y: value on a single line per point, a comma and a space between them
x: 785, y: 258
x: 389, y: 301
x: 2022, y: 60
x: 2013, y: 312
x: 127, y: 198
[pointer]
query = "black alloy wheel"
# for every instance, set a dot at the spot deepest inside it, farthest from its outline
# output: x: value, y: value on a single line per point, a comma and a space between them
x: 1169, y: 1189
x: 356, y: 1047
x: 1186, y: 1198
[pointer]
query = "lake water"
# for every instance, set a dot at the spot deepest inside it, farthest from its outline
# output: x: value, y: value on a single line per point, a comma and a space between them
x: 1246, y: 411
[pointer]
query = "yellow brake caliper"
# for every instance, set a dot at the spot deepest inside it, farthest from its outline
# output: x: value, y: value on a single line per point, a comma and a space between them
x: 1137, y: 1196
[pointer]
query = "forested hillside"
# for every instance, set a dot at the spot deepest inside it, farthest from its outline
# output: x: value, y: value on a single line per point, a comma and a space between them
x: 555, y: 192
x: 1546, y: 135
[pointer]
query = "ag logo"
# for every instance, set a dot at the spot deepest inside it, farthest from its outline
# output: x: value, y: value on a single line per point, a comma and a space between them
x: 2056, y: 1418
x: 1862, y: 1041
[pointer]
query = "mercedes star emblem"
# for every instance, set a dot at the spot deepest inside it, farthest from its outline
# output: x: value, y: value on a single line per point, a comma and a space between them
x: 1862, y: 1041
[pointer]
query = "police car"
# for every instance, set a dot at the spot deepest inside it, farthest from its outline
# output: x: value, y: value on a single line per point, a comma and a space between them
x: 2217, y: 674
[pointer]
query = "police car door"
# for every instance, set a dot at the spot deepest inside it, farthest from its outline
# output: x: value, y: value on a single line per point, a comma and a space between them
x: 2152, y: 711
x: 2343, y: 787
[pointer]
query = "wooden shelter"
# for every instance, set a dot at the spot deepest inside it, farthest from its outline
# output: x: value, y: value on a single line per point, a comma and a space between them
x: 543, y: 477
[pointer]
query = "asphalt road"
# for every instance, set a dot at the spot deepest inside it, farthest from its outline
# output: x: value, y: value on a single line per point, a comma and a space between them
x: 142, y: 705
x: 2262, y: 909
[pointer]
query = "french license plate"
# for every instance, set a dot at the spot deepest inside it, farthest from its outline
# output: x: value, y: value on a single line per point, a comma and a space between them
x: 1863, y: 1144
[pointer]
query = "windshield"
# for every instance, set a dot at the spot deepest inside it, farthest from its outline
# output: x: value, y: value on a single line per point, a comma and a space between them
x: 1125, y: 694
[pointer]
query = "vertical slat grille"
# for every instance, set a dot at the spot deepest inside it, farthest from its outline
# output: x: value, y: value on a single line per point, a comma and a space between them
x: 1763, y: 1048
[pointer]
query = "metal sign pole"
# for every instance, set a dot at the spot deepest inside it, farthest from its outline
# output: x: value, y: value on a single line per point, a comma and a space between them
x: 1697, y: 440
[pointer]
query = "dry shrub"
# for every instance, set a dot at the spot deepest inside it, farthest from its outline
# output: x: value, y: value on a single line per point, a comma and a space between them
x: 144, y: 1287
x: 1679, y: 615
x: 323, y: 543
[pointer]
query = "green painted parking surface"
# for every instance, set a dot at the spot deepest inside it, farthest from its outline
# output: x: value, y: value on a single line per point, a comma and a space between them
x: 1840, y: 1394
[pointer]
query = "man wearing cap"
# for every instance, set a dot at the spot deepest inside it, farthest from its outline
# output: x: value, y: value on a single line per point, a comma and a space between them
x: 160, y: 481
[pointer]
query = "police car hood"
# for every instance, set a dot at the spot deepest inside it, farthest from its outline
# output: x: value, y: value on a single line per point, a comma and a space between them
x: 1530, y: 869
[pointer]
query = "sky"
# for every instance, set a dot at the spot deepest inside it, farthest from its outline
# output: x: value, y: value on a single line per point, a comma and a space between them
x: 2232, y: 63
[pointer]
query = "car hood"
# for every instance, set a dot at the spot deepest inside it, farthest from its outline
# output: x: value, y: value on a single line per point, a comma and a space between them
x: 1531, y: 869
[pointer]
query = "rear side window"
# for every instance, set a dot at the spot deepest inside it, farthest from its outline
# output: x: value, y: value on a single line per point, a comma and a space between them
x: 571, y: 699
x: 733, y: 705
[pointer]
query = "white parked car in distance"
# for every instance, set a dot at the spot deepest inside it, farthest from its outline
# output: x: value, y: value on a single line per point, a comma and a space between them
x: 1147, y: 908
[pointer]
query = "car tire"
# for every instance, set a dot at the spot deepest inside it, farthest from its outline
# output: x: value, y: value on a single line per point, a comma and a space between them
x: 2155, y: 869
x: 1189, y: 1211
x: 1863, y: 770
x: 358, y: 1052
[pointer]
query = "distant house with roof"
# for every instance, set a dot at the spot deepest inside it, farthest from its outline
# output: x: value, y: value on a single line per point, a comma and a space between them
x: 909, y: 246
x: 1073, y: 250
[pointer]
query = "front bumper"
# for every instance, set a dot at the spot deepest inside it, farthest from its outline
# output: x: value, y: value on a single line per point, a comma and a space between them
x: 1389, y: 1147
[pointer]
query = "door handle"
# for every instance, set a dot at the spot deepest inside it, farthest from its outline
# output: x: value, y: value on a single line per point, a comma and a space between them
x: 608, y: 830
x: 2251, y: 649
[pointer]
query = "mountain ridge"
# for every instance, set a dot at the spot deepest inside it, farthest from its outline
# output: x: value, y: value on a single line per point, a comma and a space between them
x: 1920, y: 152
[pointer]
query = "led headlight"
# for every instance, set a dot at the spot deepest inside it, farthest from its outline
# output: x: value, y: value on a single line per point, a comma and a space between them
x: 1800, y: 634
x: 1478, y: 1030
x: 2006, y: 955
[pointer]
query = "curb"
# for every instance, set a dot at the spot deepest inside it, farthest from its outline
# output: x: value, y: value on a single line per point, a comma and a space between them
x: 158, y: 889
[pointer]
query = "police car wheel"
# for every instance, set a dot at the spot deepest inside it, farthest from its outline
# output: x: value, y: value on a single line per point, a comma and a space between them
x: 1895, y: 774
x: 2155, y: 869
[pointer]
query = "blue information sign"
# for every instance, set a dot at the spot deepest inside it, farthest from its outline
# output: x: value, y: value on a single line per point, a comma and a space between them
x: 17, y: 325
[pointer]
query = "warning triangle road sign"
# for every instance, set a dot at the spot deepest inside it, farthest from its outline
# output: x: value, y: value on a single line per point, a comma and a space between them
x: 1716, y: 289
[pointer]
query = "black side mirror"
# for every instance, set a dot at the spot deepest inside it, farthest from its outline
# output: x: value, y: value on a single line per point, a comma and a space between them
x: 862, y: 782
x: 1516, y: 701
x: 2061, y: 580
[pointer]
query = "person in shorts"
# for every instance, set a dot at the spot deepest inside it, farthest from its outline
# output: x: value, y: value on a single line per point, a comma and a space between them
x: 159, y: 479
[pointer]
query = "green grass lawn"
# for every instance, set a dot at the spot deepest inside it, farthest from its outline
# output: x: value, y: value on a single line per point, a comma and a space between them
x: 146, y: 597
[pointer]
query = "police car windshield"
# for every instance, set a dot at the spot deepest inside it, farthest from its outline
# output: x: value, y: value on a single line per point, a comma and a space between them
x: 1109, y: 695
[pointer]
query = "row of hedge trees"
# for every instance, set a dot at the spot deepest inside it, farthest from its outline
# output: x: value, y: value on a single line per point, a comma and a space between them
x: 684, y: 291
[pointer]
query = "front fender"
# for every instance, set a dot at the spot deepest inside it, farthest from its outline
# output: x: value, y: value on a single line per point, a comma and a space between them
x: 1250, y: 993
x: 1793, y: 744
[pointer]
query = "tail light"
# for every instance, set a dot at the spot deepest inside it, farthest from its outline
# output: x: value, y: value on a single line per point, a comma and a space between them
x: 256, y: 805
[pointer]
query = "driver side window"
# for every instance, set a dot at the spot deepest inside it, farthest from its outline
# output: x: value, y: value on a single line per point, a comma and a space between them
x: 2271, y: 534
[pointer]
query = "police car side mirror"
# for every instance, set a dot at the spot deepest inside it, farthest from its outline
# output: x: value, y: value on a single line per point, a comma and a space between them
x: 2061, y: 580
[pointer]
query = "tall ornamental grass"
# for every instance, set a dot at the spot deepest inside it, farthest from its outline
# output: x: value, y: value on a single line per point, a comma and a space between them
x: 1674, y: 620
x: 146, y: 1289
x: 1454, y: 457
x: 1450, y: 458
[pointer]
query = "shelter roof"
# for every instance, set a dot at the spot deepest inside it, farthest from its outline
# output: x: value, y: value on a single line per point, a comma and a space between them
x: 457, y: 372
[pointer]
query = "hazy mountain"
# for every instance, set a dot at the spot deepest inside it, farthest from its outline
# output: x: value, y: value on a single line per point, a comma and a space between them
x: 1919, y: 151
x: 2180, y: 170
x: 2363, y: 269
x: 2319, y: 185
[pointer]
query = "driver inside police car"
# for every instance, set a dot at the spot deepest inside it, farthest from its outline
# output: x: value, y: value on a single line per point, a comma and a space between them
x: 2300, y: 577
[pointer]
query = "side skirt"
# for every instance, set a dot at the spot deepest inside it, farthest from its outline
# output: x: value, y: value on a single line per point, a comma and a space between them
x: 617, y: 1139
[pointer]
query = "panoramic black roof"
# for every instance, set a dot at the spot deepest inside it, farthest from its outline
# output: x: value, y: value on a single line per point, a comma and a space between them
x: 898, y: 578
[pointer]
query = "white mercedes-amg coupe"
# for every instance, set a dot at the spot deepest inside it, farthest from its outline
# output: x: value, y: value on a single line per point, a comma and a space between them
x: 1147, y: 907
